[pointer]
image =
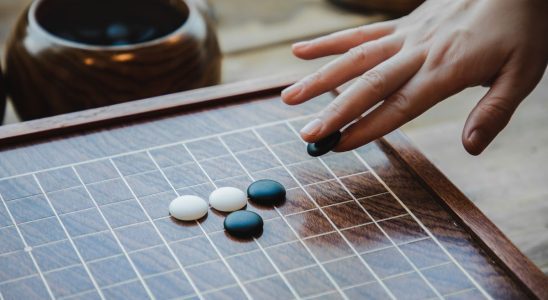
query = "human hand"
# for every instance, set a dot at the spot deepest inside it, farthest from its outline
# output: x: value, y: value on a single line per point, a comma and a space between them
x: 414, y: 62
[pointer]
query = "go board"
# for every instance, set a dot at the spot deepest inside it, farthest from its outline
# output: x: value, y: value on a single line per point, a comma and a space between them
x: 84, y: 210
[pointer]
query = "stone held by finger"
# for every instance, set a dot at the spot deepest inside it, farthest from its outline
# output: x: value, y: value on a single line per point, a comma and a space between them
x: 324, y: 145
x: 312, y: 128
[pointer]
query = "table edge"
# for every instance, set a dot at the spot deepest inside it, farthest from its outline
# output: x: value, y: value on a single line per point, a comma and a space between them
x: 149, y: 107
x: 470, y: 217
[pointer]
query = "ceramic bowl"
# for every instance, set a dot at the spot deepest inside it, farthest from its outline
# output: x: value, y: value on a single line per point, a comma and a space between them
x: 66, y: 55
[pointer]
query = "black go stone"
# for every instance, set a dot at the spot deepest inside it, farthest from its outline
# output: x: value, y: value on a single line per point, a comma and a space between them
x: 244, y: 224
x: 266, y: 192
x: 324, y: 145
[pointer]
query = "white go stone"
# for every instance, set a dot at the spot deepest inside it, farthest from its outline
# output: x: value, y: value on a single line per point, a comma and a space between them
x: 227, y: 199
x: 188, y: 208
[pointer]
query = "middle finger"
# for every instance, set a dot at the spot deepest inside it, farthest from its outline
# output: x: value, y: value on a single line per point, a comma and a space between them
x: 363, y: 94
x: 351, y: 64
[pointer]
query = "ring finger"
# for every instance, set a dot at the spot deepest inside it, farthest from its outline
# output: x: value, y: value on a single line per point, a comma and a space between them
x: 353, y: 63
x: 371, y: 87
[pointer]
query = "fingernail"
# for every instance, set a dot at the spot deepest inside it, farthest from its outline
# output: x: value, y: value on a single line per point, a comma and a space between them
x: 478, y: 140
x: 292, y: 91
x: 299, y: 45
x: 312, y: 128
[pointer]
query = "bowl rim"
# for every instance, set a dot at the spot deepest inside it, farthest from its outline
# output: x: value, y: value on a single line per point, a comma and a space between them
x: 171, y: 37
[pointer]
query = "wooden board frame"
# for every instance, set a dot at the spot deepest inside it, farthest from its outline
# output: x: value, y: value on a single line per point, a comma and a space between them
x: 499, y: 247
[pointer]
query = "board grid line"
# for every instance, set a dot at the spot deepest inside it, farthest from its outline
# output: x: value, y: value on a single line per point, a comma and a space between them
x: 460, y: 292
x: 329, y: 219
x: 244, y: 289
x: 335, y: 284
x: 205, y: 137
x: 303, y: 268
x: 280, y: 273
x: 83, y: 262
x: 78, y: 294
x: 153, y: 171
x: 119, y: 243
x: 194, y: 237
x: 215, y: 260
x: 374, y: 221
x: 287, y: 223
x: 174, y: 190
x: 157, y: 232
x: 219, y: 136
x: 167, y: 217
x: 26, y: 249
x: 434, y: 238
x: 320, y: 295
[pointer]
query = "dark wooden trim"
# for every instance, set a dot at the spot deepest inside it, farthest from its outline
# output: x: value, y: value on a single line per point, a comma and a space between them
x: 473, y: 220
x: 479, y: 226
x: 109, y: 115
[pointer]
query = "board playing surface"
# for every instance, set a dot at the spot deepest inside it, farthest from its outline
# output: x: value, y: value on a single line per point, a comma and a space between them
x: 85, y: 216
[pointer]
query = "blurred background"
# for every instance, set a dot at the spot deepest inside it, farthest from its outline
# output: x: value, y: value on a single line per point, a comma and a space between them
x: 508, y: 181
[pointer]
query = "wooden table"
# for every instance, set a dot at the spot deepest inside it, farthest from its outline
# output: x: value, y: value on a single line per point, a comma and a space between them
x: 85, y: 195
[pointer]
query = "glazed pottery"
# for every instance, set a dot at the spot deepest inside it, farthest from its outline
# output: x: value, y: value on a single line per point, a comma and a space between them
x: 67, y: 55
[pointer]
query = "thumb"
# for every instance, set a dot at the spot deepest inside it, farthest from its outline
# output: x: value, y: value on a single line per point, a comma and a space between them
x: 494, y: 110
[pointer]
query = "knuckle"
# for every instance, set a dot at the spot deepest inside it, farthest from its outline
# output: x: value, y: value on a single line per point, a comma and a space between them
x: 401, y: 106
x: 358, y: 53
x: 334, y: 110
x: 462, y: 33
x: 379, y: 48
x: 496, y: 111
x: 375, y: 82
x: 439, y: 55
x: 424, y: 37
x: 362, y: 32
x: 316, y: 78
x: 450, y: 51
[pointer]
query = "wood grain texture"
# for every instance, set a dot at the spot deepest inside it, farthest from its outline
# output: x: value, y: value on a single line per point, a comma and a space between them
x: 2, y: 96
x: 470, y: 215
x: 507, y: 182
x: 455, y: 237
x: 316, y: 243
x: 93, y: 118
x: 51, y: 75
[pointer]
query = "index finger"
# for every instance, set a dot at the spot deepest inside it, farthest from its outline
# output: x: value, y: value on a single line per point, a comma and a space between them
x: 341, y: 41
